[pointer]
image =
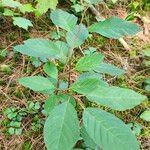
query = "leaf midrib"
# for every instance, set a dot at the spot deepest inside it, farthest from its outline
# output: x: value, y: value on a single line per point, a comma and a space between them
x: 62, y: 125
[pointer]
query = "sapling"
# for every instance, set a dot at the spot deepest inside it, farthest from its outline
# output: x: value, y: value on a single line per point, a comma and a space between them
x: 97, y: 128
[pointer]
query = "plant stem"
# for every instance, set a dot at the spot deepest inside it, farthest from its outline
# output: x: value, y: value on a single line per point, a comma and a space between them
x: 80, y: 102
x: 124, y: 43
x: 98, y: 15
x: 69, y: 74
x: 68, y: 64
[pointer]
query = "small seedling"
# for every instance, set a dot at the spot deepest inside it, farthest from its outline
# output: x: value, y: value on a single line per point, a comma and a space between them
x: 15, y: 117
x: 33, y: 107
x: 3, y: 53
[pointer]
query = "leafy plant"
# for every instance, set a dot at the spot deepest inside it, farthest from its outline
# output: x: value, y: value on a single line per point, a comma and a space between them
x: 22, y: 22
x: 15, y: 9
x: 10, y: 7
x: 43, y: 6
x: 15, y: 117
x: 136, y: 128
x: 98, y: 127
x: 145, y: 115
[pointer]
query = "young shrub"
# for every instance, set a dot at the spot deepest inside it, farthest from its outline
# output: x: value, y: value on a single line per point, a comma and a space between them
x: 98, y: 128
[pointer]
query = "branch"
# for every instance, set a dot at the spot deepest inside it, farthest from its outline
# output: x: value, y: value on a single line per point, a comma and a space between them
x: 98, y: 15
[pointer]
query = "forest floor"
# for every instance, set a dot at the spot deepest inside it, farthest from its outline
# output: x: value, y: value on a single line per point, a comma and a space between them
x: 13, y: 66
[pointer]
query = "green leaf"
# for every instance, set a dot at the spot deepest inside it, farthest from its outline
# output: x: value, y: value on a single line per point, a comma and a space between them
x: 78, y: 7
x: 93, y: 1
x: 87, y: 85
x: 77, y: 36
x: 66, y: 97
x: 54, y: 100
x: 44, y: 5
x: 63, y: 85
x: 87, y: 139
x: 8, y: 12
x: 90, y: 50
x: 146, y: 52
x: 147, y: 87
x: 18, y: 131
x: 109, y: 69
x: 55, y: 35
x: 36, y: 62
x: 87, y: 75
x: 36, y: 83
x: 63, y: 19
x: 114, y: 1
x: 11, y: 3
x: 145, y: 115
x: 115, y: 28
x: 108, y: 131
x: 61, y: 129
x: 44, y: 48
x: 11, y: 131
x: 3, y: 53
x: 22, y: 22
x: 37, y: 105
x: 26, y: 8
x: 15, y: 124
x: 114, y: 97
x: 63, y: 51
x: 89, y: 62
x: 135, y: 127
x: 37, y: 48
x: 51, y: 70
x: 50, y: 104
x: 147, y: 82
x: 77, y: 149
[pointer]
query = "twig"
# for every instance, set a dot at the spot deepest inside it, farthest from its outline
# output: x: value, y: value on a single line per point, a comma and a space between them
x: 99, y: 17
x: 124, y: 43
x: 80, y: 102
x: 1, y: 91
x: 57, y: 28
x: 11, y: 44
x: 83, y: 14
x: 9, y: 82
x: 81, y: 50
